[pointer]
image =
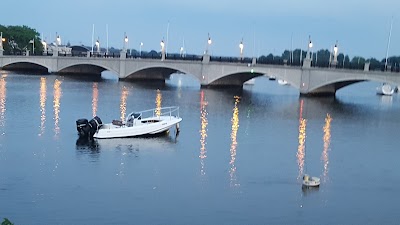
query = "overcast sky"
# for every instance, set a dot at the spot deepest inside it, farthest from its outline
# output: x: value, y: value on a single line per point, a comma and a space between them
x: 360, y: 27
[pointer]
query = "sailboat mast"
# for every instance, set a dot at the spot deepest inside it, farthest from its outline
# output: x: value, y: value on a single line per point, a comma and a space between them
x: 388, y: 44
x: 92, y: 37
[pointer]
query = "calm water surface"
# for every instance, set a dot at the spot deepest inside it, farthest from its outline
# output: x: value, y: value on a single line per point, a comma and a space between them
x: 238, y: 158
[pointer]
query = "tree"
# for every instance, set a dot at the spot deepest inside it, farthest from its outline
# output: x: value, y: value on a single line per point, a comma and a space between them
x: 6, y: 222
x: 18, y: 38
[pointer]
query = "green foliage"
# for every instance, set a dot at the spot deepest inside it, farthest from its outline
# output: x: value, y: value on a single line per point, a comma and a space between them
x: 6, y: 222
x: 18, y: 38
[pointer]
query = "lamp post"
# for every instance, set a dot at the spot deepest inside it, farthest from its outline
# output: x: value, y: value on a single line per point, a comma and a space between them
x: 241, y: 49
x: 1, y: 43
x: 58, y: 40
x: 44, y: 46
x: 1, y: 40
x: 98, y: 45
x: 125, y: 42
x: 162, y: 49
x: 140, y: 49
x: 33, y: 45
x: 208, y: 43
x: 335, y: 54
x: 310, y: 45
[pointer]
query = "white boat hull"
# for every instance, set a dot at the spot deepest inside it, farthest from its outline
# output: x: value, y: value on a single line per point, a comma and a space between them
x: 142, y: 127
x: 386, y: 89
x: 311, y: 181
x: 282, y: 82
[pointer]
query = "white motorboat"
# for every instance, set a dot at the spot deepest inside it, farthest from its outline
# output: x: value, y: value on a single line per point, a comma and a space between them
x: 282, y: 82
x: 385, y: 89
x: 309, y: 182
x: 147, y: 122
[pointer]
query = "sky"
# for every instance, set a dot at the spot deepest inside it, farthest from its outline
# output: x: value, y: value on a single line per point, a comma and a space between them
x: 361, y: 28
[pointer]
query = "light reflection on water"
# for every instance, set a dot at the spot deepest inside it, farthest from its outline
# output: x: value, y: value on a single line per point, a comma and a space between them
x: 56, y: 105
x: 327, y: 142
x: 122, y: 107
x: 95, y: 98
x: 158, y: 103
x: 302, y: 141
x: 43, y: 98
x: 235, y: 126
x: 3, y: 93
x: 203, y: 132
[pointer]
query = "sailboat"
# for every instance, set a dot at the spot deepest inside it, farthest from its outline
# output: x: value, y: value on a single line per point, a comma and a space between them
x: 385, y: 89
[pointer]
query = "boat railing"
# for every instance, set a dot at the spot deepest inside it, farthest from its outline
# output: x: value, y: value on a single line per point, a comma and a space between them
x: 171, y: 111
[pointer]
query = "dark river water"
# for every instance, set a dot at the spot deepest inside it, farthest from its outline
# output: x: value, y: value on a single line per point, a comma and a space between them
x: 238, y: 159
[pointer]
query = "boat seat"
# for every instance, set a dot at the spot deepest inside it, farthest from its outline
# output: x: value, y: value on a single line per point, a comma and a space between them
x: 117, y: 122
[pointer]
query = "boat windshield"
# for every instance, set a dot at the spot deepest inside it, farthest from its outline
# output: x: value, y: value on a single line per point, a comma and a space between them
x: 133, y: 115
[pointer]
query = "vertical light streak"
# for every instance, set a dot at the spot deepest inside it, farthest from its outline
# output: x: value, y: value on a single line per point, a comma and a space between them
x: 158, y: 103
x: 122, y: 106
x: 235, y: 127
x: 327, y: 142
x: 43, y: 98
x: 203, y: 132
x: 95, y: 98
x: 56, y: 105
x: 302, y: 141
x: 3, y: 94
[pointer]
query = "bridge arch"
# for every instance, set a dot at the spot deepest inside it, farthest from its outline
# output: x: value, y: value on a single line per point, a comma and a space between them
x: 333, y: 85
x: 26, y: 65
x: 86, y: 68
x: 234, y: 79
x: 157, y: 72
x: 237, y: 76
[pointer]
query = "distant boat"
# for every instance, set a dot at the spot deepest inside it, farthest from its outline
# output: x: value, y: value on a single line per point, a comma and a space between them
x: 272, y: 77
x: 385, y: 89
x: 309, y: 182
x: 282, y: 82
x: 250, y: 82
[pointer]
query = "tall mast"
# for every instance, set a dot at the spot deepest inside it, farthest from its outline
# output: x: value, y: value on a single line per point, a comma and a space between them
x: 92, y: 38
x: 388, y: 44
x: 107, y: 38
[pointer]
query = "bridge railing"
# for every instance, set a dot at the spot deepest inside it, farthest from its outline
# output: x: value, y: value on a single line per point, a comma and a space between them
x: 391, y: 67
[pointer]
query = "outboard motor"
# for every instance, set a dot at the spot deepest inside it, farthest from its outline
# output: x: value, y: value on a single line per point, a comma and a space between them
x: 82, y: 125
x: 94, y: 124
x: 88, y: 128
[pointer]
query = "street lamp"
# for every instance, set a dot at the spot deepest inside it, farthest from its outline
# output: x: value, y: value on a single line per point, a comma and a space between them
x: 335, y: 54
x: 208, y: 43
x: 98, y: 45
x: 310, y: 45
x: 44, y: 46
x: 335, y: 49
x: 140, y: 49
x: 58, y: 40
x: 241, y: 49
x: 162, y: 46
x: 33, y: 45
x: 126, y: 42
x: 1, y: 40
